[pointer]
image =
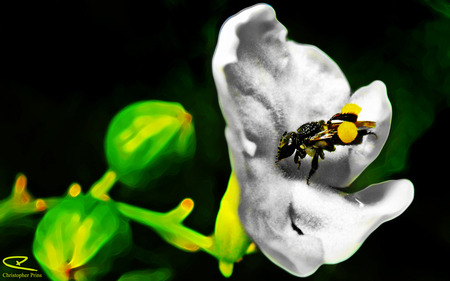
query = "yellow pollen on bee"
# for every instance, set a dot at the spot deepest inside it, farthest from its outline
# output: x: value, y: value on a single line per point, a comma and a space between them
x: 347, y: 132
x: 351, y: 108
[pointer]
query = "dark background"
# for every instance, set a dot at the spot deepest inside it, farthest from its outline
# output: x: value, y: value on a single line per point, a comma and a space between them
x: 69, y: 66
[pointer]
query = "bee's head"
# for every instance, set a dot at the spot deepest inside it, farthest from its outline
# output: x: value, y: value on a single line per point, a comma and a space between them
x: 286, y: 146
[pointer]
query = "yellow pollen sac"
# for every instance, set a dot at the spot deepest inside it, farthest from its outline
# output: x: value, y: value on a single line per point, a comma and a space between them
x: 351, y: 108
x: 347, y: 132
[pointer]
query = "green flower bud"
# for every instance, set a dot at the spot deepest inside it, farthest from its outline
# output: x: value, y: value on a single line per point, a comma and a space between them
x: 231, y: 240
x: 77, y: 238
x: 146, y: 138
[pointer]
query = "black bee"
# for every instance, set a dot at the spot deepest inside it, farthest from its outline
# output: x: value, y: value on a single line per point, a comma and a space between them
x: 314, y: 137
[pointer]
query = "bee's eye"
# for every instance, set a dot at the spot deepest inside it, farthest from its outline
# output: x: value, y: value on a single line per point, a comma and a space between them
x: 290, y: 141
x: 347, y: 132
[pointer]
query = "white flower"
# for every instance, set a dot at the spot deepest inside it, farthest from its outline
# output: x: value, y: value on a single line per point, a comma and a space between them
x: 268, y: 85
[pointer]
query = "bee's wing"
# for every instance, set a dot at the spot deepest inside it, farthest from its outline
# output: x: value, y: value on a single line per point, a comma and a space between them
x: 361, y: 125
x: 324, y: 135
x: 332, y: 129
x: 351, y: 117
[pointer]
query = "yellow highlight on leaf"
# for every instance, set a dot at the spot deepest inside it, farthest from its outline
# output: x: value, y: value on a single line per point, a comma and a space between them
x: 347, y: 132
x: 81, y: 239
x: 146, y: 127
x: 53, y: 256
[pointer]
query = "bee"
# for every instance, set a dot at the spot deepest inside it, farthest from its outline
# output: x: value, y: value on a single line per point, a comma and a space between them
x: 313, y: 138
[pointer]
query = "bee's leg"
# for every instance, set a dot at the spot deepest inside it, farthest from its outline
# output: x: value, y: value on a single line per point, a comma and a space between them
x: 330, y: 146
x: 277, y: 158
x: 321, y: 154
x: 297, y: 159
x: 314, y: 166
x: 372, y: 133
x: 277, y: 161
x: 359, y: 137
x: 299, y: 154
x: 324, y: 145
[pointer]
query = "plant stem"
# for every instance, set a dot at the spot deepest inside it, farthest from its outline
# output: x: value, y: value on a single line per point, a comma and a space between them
x: 101, y: 188
x: 169, y: 225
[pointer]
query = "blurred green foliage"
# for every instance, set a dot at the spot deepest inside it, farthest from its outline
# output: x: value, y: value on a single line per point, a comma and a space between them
x: 162, y: 274
x: 441, y: 6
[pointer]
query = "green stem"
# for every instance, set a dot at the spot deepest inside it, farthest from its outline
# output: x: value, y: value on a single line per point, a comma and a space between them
x: 10, y: 210
x: 5, y: 210
x: 169, y: 225
x: 101, y: 188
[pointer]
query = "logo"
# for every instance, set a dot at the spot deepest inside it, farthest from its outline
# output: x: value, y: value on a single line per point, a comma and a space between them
x: 16, y: 263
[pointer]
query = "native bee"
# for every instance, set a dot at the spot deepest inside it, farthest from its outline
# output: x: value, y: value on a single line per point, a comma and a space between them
x: 313, y: 138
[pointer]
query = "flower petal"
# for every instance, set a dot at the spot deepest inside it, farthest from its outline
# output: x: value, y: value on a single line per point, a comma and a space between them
x: 301, y: 227
x: 376, y: 107
x: 341, y: 167
x: 267, y: 85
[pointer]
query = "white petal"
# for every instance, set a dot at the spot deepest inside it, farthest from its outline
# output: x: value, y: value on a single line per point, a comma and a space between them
x: 341, y: 167
x: 267, y: 85
x: 375, y: 204
x: 375, y: 107
x: 334, y: 224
